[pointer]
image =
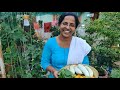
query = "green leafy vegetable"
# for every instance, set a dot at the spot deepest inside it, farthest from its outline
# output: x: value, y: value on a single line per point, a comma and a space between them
x: 64, y: 73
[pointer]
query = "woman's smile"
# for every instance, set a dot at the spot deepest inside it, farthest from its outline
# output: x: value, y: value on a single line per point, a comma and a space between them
x: 67, y: 32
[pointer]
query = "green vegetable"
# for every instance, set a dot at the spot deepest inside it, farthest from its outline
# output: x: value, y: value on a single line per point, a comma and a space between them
x: 64, y: 73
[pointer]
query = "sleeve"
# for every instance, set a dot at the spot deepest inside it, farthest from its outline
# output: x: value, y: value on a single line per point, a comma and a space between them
x: 86, y: 60
x: 46, y: 54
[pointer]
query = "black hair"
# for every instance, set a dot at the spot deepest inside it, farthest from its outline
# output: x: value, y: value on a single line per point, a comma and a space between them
x: 61, y: 18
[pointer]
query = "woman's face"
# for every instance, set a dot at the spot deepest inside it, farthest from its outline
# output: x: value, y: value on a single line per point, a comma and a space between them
x: 67, y: 26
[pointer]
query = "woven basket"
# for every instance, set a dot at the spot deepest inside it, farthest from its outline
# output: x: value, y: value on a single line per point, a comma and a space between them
x: 96, y: 74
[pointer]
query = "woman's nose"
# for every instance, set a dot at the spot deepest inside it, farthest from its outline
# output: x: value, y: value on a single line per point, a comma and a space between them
x: 68, y: 26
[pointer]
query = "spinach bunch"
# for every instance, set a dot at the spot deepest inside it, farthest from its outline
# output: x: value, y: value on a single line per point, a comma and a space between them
x: 64, y: 73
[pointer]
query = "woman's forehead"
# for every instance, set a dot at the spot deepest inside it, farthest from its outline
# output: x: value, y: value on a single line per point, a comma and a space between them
x: 69, y: 18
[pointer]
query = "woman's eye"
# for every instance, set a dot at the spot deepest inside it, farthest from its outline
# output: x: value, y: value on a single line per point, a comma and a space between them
x: 65, y: 23
x: 72, y: 25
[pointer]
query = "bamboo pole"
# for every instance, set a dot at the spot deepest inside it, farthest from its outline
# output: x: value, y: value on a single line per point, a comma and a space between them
x: 2, y: 66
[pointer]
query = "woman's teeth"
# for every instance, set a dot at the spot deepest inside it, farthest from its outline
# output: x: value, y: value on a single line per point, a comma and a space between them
x: 66, y: 31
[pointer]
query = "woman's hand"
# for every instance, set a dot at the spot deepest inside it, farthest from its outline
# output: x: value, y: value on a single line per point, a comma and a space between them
x: 55, y: 73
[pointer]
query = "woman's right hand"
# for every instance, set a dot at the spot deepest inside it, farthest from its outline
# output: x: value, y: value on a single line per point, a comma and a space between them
x: 55, y: 73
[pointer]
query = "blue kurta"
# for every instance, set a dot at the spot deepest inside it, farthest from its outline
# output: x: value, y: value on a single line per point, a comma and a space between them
x: 55, y: 55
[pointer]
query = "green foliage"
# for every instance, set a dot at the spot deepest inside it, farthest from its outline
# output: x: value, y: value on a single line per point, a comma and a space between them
x: 55, y: 31
x: 102, y: 35
x: 107, y: 26
x: 115, y: 73
x: 64, y: 73
x: 105, y: 56
x: 20, y: 50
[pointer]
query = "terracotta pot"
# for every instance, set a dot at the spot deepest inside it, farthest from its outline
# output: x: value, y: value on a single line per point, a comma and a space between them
x: 7, y: 67
x: 105, y: 76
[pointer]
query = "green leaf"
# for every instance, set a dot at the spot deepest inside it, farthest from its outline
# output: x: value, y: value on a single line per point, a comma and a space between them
x: 8, y: 50
x: 64, y: 73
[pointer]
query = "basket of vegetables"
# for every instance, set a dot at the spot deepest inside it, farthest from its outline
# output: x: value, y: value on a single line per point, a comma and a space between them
x: 78, y: 71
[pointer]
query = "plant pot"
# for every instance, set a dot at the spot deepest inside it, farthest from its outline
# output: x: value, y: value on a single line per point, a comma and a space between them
x: 7, y: 67
x: 104, y: 75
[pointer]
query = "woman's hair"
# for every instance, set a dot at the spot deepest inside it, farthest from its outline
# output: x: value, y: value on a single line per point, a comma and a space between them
x: 61, y: 18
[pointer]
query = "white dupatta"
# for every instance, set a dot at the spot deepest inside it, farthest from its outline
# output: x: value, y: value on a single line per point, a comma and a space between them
x: 79, y: 48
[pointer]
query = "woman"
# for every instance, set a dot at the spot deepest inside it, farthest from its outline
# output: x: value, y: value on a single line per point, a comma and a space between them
x: 63, y: 49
